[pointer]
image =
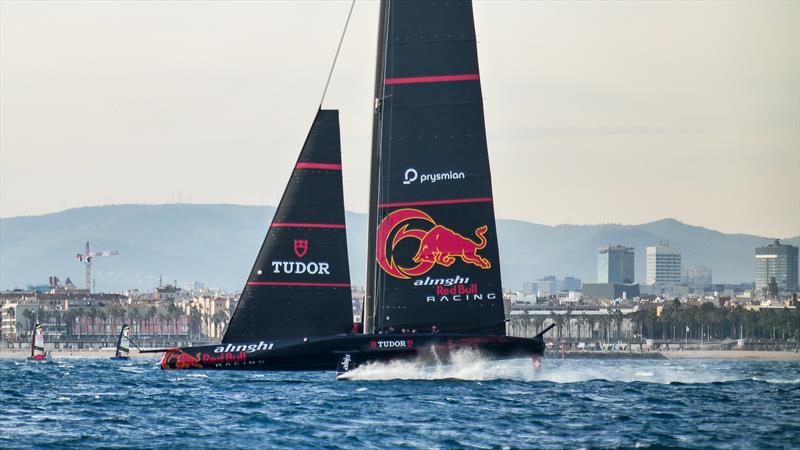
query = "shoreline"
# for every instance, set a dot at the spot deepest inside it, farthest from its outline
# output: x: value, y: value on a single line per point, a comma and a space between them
x: 757, y: 355
x: 750, y: 355
x: 93, y: 354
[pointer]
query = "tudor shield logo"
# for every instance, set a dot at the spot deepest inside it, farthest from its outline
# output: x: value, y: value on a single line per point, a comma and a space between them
x: 437, y: 245
x: 300, y: 247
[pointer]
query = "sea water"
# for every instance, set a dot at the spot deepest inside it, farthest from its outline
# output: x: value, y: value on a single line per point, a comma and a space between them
x: 88, y: 403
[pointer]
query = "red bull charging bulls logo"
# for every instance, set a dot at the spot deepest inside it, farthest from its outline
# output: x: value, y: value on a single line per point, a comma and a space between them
x: 437, y: 245
x: 178, y: 359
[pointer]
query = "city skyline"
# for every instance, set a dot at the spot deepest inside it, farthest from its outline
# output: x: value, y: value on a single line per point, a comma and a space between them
x: 608, y: 109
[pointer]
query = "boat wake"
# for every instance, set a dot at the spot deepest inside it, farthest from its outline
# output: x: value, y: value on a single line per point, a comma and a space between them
x: 469, y: 365
x: 463, y: 365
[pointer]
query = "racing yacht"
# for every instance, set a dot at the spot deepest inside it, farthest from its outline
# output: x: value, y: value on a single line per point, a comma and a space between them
x: 433, y: 272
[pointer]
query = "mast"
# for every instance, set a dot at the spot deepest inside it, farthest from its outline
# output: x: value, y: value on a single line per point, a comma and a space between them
x: 372, y: 221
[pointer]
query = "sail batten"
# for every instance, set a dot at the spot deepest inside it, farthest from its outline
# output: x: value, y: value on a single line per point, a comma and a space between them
x: 432, y: 79
x: 433, y: 256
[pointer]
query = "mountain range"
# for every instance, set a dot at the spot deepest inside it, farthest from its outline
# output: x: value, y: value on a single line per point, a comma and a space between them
x: 217, y: 244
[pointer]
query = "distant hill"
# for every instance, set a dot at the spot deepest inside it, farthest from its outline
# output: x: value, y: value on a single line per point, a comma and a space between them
x: 216, y: 244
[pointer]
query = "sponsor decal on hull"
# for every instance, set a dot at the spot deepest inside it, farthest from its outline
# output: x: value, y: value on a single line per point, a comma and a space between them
x: 392, y: 344
x: 247, y: 348
x: 230, y: 355
x: 438, y: 245
x: 178, y: 359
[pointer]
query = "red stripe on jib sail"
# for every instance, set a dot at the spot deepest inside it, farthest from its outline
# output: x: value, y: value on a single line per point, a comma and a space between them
x: 287, y: 283
x: 307, y: 165
x: 307, y: 225
x: 433, y: 79
x: 437, y: 202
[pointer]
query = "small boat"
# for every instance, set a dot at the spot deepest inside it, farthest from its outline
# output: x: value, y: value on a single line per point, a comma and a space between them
x: 38, y: 352
x: 433, y: 269
x: 123, y: 345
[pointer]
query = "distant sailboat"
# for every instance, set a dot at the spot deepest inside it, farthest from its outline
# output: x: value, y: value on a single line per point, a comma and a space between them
x: 123, y: 345
x: 433, y: 274
x: 38, y: 353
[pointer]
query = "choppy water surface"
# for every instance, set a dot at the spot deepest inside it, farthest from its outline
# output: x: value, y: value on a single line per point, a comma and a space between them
x: 85, y: 403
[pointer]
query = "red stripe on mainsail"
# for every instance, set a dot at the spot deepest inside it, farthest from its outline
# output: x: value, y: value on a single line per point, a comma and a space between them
x: 307, y: 225
x: 306, y: 165
x: 433, y: 79
x: 437, y: 202
x: 287, y: 283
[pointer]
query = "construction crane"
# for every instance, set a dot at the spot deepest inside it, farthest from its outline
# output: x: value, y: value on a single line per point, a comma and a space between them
x: 87, y: 257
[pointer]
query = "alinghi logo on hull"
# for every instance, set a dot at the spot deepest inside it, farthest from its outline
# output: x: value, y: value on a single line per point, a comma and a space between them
x: 248, y: 348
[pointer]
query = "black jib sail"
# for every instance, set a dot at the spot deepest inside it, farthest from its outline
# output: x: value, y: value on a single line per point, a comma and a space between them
x: 433, y: 258
x: 300, y: 283
x: 123, y: 342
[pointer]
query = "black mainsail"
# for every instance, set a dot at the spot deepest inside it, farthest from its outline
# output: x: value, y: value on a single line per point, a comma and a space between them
x: 432, y: 256
x: 300, y: 283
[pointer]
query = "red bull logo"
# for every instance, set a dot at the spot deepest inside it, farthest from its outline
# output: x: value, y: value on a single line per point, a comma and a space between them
x: 178, y: 359
x: 438, y: 245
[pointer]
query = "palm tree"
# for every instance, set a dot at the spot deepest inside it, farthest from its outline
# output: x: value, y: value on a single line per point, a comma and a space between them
x: 591, y: 321
x: 12, y: 315
x: 618, y: 319
x: 196, y: 317
x: 93, y: 315
x: 163, y: 317
x: 101, y: 314
x: 220, y: 318
x: 538, y: 322
x: 604, y: 320
x: 581, y: 322
x: 29, y: 317
x: 557, y: 319
x: 568, y: 320
x: 151, y: 314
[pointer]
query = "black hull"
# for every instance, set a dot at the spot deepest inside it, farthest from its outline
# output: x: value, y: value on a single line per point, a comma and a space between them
x: 325, y: 353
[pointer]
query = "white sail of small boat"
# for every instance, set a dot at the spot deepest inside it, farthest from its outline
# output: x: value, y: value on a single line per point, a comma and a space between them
x: 37, y: 343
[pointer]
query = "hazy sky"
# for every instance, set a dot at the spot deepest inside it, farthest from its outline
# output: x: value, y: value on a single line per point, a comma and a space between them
x: 596, y: 112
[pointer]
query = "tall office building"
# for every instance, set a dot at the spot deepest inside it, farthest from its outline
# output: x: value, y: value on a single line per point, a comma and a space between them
x: 663, y: 265
x: 550, y: 285
x: 697, y: 276
x: 779, y: 261
x: 615, y: 264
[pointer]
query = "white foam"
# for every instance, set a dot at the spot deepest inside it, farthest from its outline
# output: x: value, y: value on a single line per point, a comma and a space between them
x: 469, y: 365
x: 464, y: 365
